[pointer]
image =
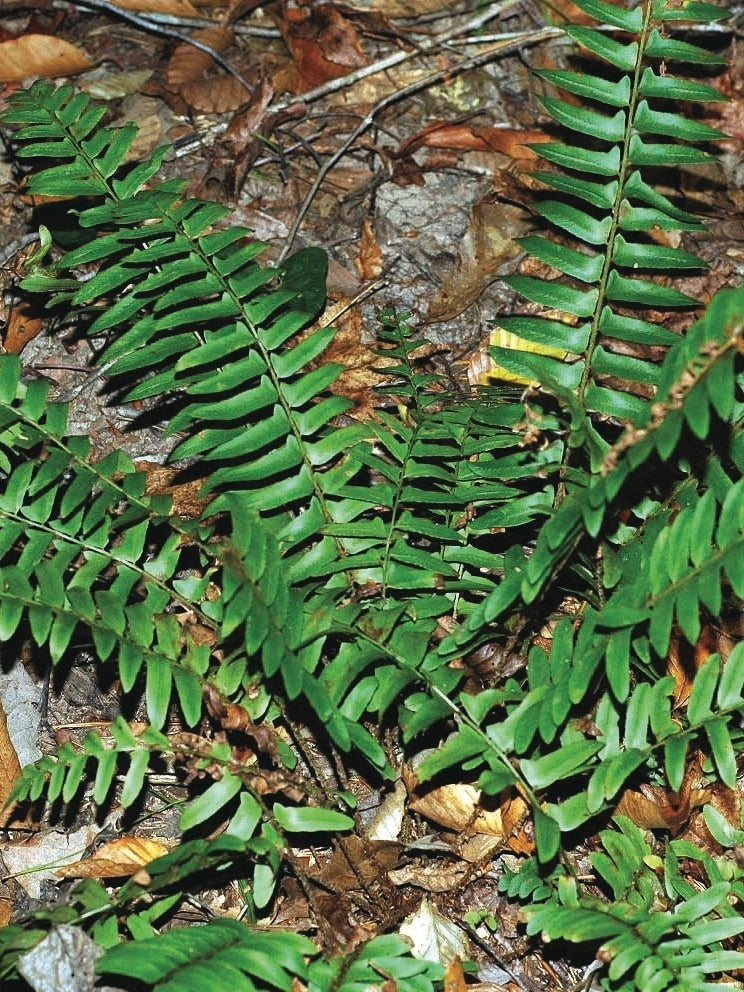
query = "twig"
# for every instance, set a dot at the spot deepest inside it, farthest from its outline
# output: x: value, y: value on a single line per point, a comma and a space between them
x: 424, y: 48
x: 528, y: 38
x: 147, y: 24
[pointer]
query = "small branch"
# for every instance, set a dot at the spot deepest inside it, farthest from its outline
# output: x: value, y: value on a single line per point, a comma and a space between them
x: 528, y: 38
x: 147, y: 24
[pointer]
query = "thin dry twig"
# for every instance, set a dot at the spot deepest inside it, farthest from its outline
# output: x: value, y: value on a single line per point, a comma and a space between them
x: 166, y: 30
x: 425, y: 47
x: 506, y: 45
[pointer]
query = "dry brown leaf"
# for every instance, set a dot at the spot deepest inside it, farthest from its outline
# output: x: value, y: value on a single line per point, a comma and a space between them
x: 186, y: 496
x: 119, y: 857
x: 487, y: 244
x: 369, y: 262
x: 654, y: 807
x: 40, y: 55
x: 10, y: 769
x: 24, y: 324
x: 177, y: 8
x: 322, y: 42
x: 6, y: 911
x: 685, y: 660
x: 458, y: 807
x: 188, y: 63
x: 432, y: 878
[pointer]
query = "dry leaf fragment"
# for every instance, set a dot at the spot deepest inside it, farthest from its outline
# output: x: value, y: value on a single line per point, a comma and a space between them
x: 117, y: 858
x: 10, y: 769
x: 473, y: 137
x: 188, y: 63
x: 432, y: 878
x: 177, y: 8
x: 654, y: 807
x: 434, y: 937
x: 369, y: 262
x: 322, y: 42
x: 40, y: 55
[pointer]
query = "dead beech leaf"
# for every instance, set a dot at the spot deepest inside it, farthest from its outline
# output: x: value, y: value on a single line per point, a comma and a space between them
x: 176, y: 8
x: 369, y: 261
x: 458, y: 807
x: 434, y: 937
x: 322, y: 42
x: 432, y: 878
x: 473, y: 137
x: 486, y: 245
x: 654, y: 807
x: 24, y: 324
x: 10, y: 769
x: 119, y: 857
x: 188, y: 63
x: 40, y: 55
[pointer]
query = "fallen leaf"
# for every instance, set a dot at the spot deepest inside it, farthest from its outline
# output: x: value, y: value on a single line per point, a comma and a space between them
x: 483, y: 368
x: 116, y: 858
x: 36, y: 861
x: 10, y: 769
x: 434, y: 938
x: 40, y: 55
x: 654, y: 807
x: 322, y: 42
x: 177, y: 8
x: 388, y: 820
x: 432, y: 878
x: 369, y: 260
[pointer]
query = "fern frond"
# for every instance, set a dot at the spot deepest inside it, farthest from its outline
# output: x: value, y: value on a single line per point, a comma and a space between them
x: 608, y: 206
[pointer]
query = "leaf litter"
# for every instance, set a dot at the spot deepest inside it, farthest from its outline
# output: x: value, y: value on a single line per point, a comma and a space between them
x: 421, y: 203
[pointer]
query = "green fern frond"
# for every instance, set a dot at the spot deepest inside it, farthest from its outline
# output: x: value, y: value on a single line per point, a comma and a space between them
x: 608, y: 207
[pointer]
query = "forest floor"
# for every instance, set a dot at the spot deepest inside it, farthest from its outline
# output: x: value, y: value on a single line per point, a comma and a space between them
x: 398, y: 137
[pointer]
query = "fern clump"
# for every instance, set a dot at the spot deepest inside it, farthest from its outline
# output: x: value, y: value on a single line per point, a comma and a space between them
x: 347, y: 576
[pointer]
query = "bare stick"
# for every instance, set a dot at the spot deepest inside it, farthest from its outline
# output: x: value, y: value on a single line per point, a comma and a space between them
x: 167, y: 31
x: 528, y: 38
x: 426, y: 46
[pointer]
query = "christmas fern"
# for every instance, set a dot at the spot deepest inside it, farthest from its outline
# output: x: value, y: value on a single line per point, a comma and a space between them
x: 347, y: 576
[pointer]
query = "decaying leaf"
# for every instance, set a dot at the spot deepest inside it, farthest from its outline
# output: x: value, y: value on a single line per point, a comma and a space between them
x: 116, y: 858
x: 434, y: 937
x: 322, y: 42
x: 482, y: 368
x: 40, y: 55
x: 654, y: 807
x: 389, y: 817
x: 488, y: 243
x: 369, y: 260
x: 176, y: 8
x: 462, y: 808
x: 10, y: 769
